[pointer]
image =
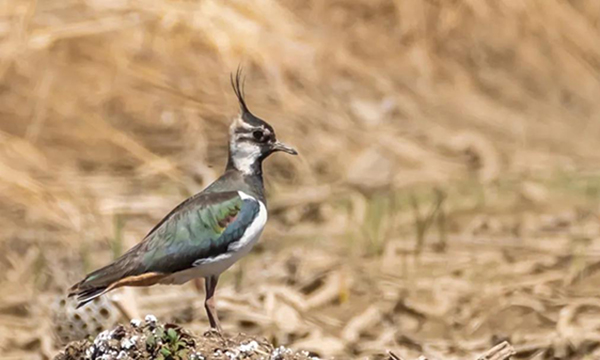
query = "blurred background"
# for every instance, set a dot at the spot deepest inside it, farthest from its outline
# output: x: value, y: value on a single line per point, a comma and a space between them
x: 446, y: 196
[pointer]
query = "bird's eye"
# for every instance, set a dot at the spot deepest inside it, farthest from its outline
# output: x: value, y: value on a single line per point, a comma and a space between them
x: 258, y: 135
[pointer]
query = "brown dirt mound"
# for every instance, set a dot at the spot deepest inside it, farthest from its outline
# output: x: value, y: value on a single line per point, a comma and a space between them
x: 151, y: 339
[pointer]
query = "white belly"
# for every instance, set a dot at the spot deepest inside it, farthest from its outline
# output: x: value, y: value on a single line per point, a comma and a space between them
x: 217, y: 265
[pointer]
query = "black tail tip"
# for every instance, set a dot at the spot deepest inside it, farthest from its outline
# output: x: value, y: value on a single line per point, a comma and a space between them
x: 85, y: 296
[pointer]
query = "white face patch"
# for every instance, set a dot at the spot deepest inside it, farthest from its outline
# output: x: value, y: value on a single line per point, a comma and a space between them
x: 244, y: 154
x: 245, y: 147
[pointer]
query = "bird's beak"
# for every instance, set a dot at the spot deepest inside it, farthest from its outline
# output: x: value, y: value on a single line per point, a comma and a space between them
x: 279, y: 146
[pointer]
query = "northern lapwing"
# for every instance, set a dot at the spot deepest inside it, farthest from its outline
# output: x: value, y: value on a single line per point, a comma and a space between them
x: 207, y: 233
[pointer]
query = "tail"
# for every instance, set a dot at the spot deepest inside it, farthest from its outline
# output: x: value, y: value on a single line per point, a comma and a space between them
x: 97, y: 283
x: 85, y: 296
x: 125, y: 271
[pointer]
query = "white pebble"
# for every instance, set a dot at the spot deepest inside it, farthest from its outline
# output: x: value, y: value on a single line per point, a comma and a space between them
x: 232, y: 355
x: 197, y: 356
x: 136, y: 323
x: 280, y: 351
x: 151, y: 319
x: 90, y: 351
x: 249, y: 347
x: 129, y: 343
x: 102, y: 337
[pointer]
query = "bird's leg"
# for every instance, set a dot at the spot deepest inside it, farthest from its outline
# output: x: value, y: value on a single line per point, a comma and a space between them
x: 198, y: 284
x: 211, y: 309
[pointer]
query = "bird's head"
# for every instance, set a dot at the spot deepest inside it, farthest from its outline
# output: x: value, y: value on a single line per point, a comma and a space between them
x: 251, y: 139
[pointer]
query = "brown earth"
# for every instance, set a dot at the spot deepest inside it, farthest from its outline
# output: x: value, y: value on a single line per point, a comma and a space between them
x: 446, y: 197
x: 153, y: 340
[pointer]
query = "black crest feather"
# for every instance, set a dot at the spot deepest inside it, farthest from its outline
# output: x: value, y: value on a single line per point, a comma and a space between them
x: 238, y: 88
x: 237, y: 84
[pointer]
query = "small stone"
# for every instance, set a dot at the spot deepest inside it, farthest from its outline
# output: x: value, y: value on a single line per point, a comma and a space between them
x: 136, y: 323
x: 129, y: 343
x: 102, y: 337
x: 90, y: 351
x: 151, y: 319
x: 118, y: 333
x: 249, y: 347
x: 280, y: 352
x: 231, y: 354
x: 197, y: 356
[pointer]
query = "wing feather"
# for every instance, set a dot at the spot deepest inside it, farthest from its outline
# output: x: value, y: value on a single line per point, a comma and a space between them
x: 201, y: 227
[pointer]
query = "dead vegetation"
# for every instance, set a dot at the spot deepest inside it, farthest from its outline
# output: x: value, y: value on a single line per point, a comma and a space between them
x: 446, y: 197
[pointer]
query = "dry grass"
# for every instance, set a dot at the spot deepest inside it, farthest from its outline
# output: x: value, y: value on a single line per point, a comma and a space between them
x: 111, y: 112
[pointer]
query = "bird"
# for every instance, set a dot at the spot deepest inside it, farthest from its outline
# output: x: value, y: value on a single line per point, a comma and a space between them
x: 207, y: 233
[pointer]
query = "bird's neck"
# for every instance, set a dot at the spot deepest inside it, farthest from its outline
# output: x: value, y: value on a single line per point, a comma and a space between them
x: 248, y: 176
x: 247, y: 166
x: 233, y: 180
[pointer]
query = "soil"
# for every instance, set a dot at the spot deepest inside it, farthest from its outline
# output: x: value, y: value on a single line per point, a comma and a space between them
x: 150, y: 339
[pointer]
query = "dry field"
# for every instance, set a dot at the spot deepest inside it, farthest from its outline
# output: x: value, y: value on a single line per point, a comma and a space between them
x: 447, y: 196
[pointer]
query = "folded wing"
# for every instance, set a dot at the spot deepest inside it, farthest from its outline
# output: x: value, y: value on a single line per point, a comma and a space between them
x: 200, y: 228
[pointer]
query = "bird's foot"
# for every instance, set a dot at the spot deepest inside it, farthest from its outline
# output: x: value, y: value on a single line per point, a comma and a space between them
x: 214, y: 332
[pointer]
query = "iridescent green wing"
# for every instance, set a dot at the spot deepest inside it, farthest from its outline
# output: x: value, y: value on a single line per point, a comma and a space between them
x: 200, y: 229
